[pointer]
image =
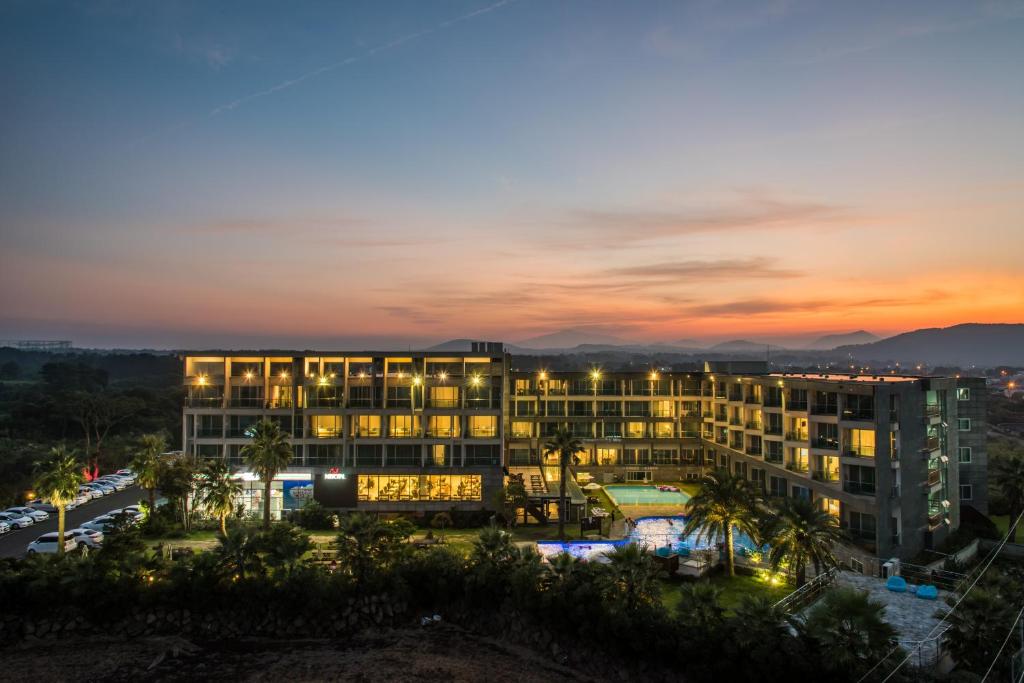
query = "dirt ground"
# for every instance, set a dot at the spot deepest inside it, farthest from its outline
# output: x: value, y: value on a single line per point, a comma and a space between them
x: 436, y: 653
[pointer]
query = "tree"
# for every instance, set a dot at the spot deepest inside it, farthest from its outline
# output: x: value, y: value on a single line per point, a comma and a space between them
x: 59, y: 482
x: 177, y: 481
x: 10, y: 370
x: 283, y: 546
x: 803, y: 534
x: 699, y: 608
x: 146, y: 465
x: 633, y: 575
x: 97, y: 414
x: 365, y: 543
x: 509, y: 499
x: 847, y: 628
x: 239, y: 552
x: 723, y: 502
x: 440, y: 521
x: 218, y: 491
x: 267, y: 454
x: 980, y: 622
x: 566, y: 446
x: 1008, y: 473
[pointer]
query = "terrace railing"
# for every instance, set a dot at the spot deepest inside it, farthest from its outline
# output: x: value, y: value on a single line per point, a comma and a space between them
x: 806, y: 594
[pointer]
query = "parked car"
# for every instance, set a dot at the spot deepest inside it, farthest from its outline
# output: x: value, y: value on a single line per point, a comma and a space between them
x: 4, y: 528
x: 48, y: 543
x: 50, y: 508
x: 127, y: 473
x: 82, y: 498
x: 118, y: 484
x: 90, y: 538
x: 90, y: 491
x: 132, y: 512
x: 36, y: 515
x: 16, y: 521
x: 104, y: 488
x: 103, y: 524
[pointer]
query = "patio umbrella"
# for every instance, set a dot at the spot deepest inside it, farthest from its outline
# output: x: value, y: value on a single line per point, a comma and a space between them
x: 592, y: 486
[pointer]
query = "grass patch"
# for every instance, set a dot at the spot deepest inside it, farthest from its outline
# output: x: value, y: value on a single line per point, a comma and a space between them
x: 1002, y: 523
x: 733, y: 589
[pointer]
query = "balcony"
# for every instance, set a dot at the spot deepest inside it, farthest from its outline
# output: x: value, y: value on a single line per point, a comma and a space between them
x: 799, y: 468
x: 735, y: 397
x: 735, y: 421
x: 721, y: 417
x: 773, y: 430
x: 754, y: 400
x: 772, y: 403
x: 894, y: 492
x: 825, y: 409
x: 753, y: 450
x: 859, y: 451
x: 934, y: 477
x: 931, y: 444
x: 796, y: 436
x: 827, y: 442
x: 827, y: 476
x: 255, y: 402
x: 204, y: 401
x: 691, y: 413
x: 367, y: 433
x: 797, y: 406
x: 443, y: 403
x: 859, y: 488
x: 483, y: 433
x: 859, y: 415
x: 932, y: 409
x: 736, y: 445
x: 862, y: 535
x: 754, y: 424
x: 774, y: 458
x: 609, y: 412
x: 209, y: 433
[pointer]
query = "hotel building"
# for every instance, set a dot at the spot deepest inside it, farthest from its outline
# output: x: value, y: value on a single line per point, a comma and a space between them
x: 891, y: 456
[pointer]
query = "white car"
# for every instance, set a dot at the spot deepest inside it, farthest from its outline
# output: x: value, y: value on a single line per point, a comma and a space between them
x: 128, y: 474
x: 48, y: 507
x: 4, y: 527
x: 89, y: 538
x: 132, y: 512
x: 118, y: 484
x: 48, y: 543
x: 82, y: 498
x: 36, y: 515
x: 104, y: 524
x: 16, y: 521
x: 90, y: 492
x: 104, y: 488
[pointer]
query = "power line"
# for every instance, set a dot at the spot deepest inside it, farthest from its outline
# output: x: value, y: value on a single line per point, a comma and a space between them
x: 1005, y: 641
x: 991, y: 559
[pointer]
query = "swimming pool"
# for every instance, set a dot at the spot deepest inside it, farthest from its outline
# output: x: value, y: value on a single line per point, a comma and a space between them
x: 656, y: 533
x: 644, y: 495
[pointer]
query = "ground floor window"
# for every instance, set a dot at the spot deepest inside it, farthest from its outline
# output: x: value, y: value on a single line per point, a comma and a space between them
x: 966, y: 492
x: 418, y: 487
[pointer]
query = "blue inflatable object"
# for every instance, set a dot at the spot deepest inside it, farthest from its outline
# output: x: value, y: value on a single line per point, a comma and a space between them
x: 897, y: 584
x: 928, y: 592
x: 663, y: 552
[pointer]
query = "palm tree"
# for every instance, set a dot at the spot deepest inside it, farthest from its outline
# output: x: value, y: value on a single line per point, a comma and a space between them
x: 59, y: 482
x: 267, y: 454
x: 1009, y: 478
x: 633, y: 575
x: 847, y: 627
x: 724, y: 501
x: 803, y: 534
x: 238, y: 551
x: 218, y: 491
x: 146, y: 464
x: 566, y: 446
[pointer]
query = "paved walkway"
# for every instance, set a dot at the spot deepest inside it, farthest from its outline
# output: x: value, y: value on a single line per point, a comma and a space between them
x: 911, y: 616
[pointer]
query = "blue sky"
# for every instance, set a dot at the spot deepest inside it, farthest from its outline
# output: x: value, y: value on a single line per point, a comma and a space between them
x: 177, y: 174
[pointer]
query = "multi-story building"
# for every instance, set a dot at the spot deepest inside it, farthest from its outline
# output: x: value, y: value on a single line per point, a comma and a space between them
x: 385, y: 431
x: 892, y: 457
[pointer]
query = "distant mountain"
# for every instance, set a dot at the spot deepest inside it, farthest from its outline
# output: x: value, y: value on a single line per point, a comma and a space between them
x: 685, y: 344
x: 739, y: 346
x: 964, y: 345
x: 831, y: 341
x: 571, y: 338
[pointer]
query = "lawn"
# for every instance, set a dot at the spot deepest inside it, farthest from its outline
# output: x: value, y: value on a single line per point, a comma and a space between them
x: 1002, y: 523
x: 733, y: 589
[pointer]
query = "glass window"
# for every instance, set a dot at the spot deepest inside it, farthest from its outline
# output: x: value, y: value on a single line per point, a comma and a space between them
x: 963, y: 424
x: 634, y: 430
x: 964, y: 454
x: 963, y: 394
x: 368, y: 426
x: 443, y: 426
x: 402, y: 426
x: 663, y: 430
x: 325, y: 426
x: 966, y: 492
x: 522, y: 430
x: 483, y: 426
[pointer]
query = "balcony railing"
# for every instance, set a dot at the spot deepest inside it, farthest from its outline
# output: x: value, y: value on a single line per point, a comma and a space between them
x: 204, y: 401
x: 861, y: 534
x: 825, y: 409
x: 932, y: 409
x: 800, y: 406
x: 861, y: 415
x: 931, y: 444
x: 752, y: 400
x: 775, y: 458
x: 796, y: 436
x: 483, y: 433
x: 830, y: 476
x: 859, y: 451
x: 772, y: 403
x: 859, y: 488
x: 735, y: 421
x: 797, y: 467
x: 826, y: 442
x: 753, y: 450
x: 754, y: 424
x: 443, y: 403
x: 773, y: 430
x: 246, y: 402
x: 209, y: 433
x: 934, y: 477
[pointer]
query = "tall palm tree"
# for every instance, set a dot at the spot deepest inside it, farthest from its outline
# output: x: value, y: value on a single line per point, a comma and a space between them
x: 218, y: 491
x: 59, y: 481
x: 724, y: 501
x: 803, y: 534
x: 1009, y: 478
x: 146, y: 464
x: 633, y: 575
x: 267, y: 454
x: 566, y: 446
x: 848, y: 628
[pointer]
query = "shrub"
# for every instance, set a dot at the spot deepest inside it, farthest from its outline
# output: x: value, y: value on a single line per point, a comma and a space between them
x: 315, y: 517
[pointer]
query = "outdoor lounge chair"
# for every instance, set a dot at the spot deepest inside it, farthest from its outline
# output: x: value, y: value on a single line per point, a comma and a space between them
x: 897, y: 584
x: 928, y: 592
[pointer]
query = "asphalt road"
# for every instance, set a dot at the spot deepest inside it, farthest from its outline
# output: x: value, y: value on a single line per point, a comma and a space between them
x: 13, y: 543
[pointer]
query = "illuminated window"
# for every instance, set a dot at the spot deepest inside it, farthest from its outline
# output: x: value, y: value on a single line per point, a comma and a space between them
x: 662, y: 409
x: 522, y: 430
x: 607, y: 456
x: 443, y: 426
x: 483, y: 426
x: 635, y: 430
x: 444, y: 397
x: 368, y: 426
x: 418, y: 487
x: 663, y: 430
x: 861, y: 442
x: 325, y: 426
x: 402, y: 426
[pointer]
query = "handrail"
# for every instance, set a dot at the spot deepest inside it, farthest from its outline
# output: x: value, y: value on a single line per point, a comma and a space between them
x: 807, y: 593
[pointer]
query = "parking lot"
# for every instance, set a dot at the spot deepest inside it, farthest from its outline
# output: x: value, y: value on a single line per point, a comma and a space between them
x: 13, y: 543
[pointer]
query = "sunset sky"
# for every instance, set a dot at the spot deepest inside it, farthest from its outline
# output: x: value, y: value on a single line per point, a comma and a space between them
x: 201, y: 174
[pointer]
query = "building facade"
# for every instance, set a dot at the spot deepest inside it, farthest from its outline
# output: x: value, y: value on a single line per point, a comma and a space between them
x: 892, y: 457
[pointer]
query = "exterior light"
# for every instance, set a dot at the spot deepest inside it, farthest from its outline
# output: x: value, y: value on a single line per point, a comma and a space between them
x: 654, y: 374
x: 201, y: 380
x: 475, y: 380
x: 362, y: 375
x: 333, y: 375
x: 542, y: 375
x: 249, y: 375
x: 595, y: 374
x: 417, y: 380
x: 284, y: 375
x: 323, y: 380
x: 442, y: 375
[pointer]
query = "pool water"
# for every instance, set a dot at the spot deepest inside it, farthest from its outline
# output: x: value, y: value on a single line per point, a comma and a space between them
x: 656, y: 533
x: 645, y: 495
